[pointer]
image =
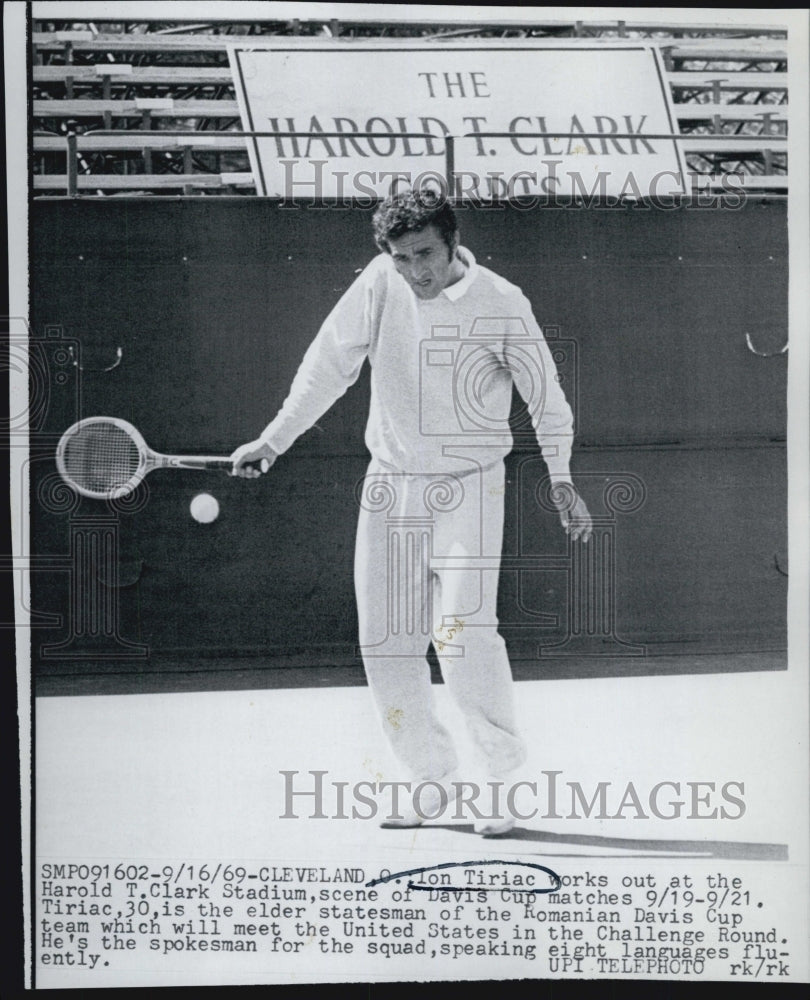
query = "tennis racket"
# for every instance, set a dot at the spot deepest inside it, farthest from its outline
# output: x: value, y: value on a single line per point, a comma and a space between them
x: 106, y: 458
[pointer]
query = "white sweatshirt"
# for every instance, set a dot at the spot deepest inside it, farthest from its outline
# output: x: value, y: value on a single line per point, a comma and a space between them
x: 441, y: 373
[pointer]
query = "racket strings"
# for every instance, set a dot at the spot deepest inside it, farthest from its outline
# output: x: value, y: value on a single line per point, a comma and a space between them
x: 101, y: 458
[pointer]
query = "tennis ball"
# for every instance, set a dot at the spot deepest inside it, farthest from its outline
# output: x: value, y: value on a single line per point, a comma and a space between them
x: 204, y: 508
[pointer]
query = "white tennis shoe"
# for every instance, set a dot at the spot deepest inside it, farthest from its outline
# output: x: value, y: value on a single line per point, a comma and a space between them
x: 436, y: 800
x: 497, y: 825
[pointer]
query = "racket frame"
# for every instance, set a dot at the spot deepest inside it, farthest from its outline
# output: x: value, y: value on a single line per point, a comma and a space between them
x: 149, y: 459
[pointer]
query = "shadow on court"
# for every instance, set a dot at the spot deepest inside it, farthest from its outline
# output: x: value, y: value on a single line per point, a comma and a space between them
x: 730, y: 850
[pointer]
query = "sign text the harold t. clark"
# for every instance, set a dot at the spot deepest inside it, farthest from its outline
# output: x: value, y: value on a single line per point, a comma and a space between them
x: 349, y: 120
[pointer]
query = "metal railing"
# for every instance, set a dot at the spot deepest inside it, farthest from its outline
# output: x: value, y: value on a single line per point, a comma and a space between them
x: 766, y: 144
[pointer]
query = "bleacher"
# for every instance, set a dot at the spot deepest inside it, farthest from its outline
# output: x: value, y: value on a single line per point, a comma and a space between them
x: 104, y: 93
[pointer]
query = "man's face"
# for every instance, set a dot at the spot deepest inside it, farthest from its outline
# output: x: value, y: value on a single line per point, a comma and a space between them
x: 425, y: 261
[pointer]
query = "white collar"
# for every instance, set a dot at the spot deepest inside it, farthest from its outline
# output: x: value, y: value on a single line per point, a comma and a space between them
x: 458, y: 288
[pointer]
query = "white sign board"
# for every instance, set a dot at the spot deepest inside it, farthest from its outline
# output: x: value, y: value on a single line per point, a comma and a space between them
x: 528, y: 120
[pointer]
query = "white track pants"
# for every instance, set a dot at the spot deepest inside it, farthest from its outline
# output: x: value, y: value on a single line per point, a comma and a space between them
x: 426, y: 569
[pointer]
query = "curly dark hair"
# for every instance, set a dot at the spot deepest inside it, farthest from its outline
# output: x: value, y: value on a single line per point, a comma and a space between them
x: 411, y: 212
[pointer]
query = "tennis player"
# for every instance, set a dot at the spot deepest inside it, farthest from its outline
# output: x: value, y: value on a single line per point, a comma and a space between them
x: 446, y: 339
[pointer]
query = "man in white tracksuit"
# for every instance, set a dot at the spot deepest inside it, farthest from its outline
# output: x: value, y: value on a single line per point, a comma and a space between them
x: 446, y: 339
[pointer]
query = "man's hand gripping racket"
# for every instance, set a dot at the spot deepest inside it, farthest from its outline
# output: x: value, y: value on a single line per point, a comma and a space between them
x: 252, y: 459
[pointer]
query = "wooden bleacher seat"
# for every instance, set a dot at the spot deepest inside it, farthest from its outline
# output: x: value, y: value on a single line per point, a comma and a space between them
x: 722, y: 85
